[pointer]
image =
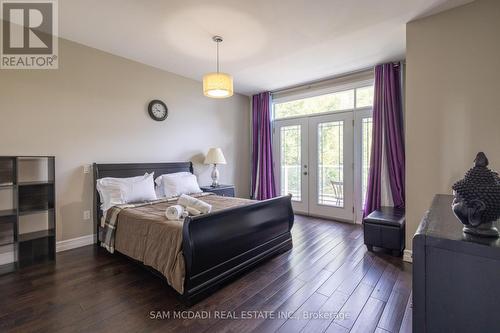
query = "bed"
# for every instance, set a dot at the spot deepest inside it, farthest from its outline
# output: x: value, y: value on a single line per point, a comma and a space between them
x: 215, y: 247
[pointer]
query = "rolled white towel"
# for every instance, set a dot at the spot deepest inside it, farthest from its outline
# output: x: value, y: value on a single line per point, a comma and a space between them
x: 193, y: 211
x: 188, y: 201
x: 175, y: 212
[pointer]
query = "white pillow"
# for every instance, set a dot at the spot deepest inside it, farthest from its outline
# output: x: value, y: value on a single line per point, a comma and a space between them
x: 182, y: 184
x: 111, y: 190
x: 111, y: 194
x: 115, y: 191
x: 140, y: 190
x: 160, y: 192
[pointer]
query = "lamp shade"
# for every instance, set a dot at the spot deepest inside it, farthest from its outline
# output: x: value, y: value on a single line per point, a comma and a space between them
x: 215, y: 156
x: 217, y: 85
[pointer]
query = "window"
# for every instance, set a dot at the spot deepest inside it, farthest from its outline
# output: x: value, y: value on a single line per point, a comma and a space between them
x: 290, y: 161
x: 364, y: 97
x: 366, y: 148
x: 338, y: 101
x: 331, y: 164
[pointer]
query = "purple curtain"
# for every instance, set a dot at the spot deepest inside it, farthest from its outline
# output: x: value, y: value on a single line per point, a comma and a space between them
x: 262, y: 157
x: 387, y: 129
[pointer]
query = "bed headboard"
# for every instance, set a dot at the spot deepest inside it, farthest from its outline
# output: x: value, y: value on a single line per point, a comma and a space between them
x: 123, y: 170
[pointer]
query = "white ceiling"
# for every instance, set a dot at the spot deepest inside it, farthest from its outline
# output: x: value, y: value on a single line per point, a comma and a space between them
x: 268, y: 44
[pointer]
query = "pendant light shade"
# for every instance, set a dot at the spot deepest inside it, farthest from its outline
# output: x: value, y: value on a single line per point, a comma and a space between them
x: 217, y: 84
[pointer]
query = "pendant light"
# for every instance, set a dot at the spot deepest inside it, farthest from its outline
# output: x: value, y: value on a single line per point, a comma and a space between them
x: 217, y: 84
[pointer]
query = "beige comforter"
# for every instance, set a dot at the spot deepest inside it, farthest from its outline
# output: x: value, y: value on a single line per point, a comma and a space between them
x: 144, y: 234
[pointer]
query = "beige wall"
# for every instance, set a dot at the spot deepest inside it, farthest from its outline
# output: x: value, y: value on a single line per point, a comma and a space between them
x: 93, y: 109
x: 452, y: 102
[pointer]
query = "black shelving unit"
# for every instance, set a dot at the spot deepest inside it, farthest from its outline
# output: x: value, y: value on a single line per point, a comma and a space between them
x: 31, y: 179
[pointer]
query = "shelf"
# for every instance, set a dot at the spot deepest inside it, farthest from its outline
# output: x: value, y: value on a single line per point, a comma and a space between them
x: 33, y: 157
x: 7, y: 238
x: 34, y: 211
x: 8, y: 212
x: 7, y: 268
x: 7, y: 172
x: 36, y: 235
x: 31, y: 180
x: 46, y: 182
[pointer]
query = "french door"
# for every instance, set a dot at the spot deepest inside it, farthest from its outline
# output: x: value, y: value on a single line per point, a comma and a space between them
x: 314, y: 161
x: 291, y: 162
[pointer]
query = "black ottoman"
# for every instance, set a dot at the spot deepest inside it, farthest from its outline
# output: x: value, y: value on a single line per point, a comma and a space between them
x: 385, y: 228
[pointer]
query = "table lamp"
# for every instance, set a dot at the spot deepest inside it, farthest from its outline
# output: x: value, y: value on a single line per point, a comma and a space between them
x: 215, y: 156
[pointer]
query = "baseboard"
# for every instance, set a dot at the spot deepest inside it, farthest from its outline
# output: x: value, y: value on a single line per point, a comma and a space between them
x: 6, y: 258
x: 73, y: 243
x: 408, y: 256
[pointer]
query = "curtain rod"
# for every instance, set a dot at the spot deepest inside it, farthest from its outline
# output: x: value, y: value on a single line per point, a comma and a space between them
x: 311, y: 84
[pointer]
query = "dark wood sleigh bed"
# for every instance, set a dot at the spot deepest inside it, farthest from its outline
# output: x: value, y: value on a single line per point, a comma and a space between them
x: 217, y: 246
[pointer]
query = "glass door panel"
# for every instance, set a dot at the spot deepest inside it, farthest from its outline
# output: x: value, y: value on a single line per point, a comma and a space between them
x: 291, y: 158
x: 362, y: 150
x: 331, y: 164
x: 366, y: 148
x: 331, y: 154
x: 291, y: 164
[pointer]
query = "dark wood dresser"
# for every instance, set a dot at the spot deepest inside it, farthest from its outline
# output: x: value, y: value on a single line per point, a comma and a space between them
x: 456, y: 277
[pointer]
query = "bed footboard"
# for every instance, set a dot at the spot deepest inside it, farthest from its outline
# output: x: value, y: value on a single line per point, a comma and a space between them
x: 220, y: 245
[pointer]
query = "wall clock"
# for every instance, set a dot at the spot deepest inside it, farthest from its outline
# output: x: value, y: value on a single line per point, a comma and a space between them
x: 157, y: 110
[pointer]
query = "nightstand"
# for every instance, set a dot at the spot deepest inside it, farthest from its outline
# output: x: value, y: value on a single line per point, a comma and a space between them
x: 222, y: 190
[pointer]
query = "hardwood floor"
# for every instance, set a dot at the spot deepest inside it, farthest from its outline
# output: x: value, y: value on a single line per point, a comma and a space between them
x: 328, y: 282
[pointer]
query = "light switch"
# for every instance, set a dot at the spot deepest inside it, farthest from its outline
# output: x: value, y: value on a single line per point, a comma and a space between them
x: 86, y: 214
x: 86, y: 168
